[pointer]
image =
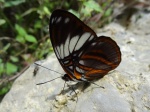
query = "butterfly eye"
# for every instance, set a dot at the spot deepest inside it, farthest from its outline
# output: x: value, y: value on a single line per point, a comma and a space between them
x: 82, y: 55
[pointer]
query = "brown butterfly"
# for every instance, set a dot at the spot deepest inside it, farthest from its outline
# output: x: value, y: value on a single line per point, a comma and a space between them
x: 82, y: 54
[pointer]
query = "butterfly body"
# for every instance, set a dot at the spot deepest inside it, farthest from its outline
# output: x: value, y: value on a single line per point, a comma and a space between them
x: 82, y: 55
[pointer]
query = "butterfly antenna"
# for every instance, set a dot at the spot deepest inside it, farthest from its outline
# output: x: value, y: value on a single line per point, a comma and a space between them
x: 48, y: 68
x: 48, y: 81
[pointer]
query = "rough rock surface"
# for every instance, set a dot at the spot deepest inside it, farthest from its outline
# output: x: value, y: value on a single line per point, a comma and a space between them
x: 127, y: 89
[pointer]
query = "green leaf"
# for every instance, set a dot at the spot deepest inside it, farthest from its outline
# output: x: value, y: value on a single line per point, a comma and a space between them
x: 14, y: 59
x: 46, y: 10
x: 1, y: 60
x: 20, y: 39
x: 2, y: 21
x: 13, y: 3
x: 29, y: 11
x: 11, y: 68
x: 20, y: 30
x: 30, y: 38
x: 108, y: 12
x: 91, y: 5
x: 2, y: 1
x: 1, y: 68
x: 85, y: 12
x: 38, y: 24
x: 74, y: 12
x: 26, y: 56
x: 6, y: 47
x: 4, y: 89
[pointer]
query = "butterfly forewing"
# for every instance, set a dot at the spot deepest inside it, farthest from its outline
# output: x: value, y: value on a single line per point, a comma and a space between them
x: 80, y: 52
x: 69, y: 37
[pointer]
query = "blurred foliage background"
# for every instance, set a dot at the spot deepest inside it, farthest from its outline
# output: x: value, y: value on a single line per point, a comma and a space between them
x: 24, y: 35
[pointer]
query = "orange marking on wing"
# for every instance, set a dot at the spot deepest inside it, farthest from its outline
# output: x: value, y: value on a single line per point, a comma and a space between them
x: 99, y: 59
x: 100, y: 72
x: 77, y: 75
x: 89, y: 69
x: 85, y: 68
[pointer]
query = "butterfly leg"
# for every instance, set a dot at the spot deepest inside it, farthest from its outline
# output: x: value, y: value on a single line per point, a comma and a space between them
x: 62, y: 89
x: 73, y: 90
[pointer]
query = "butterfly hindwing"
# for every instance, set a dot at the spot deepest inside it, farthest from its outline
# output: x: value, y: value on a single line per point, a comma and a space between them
x: 102, y: 55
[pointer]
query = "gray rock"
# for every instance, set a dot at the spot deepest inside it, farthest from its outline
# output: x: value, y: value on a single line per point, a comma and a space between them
x: 127, y: 89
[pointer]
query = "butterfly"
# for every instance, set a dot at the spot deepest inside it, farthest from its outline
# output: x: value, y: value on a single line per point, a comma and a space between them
x: 82, y: 54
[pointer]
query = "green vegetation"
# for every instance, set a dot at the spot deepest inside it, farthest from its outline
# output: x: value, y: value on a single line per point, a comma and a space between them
x: 24, y: 36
